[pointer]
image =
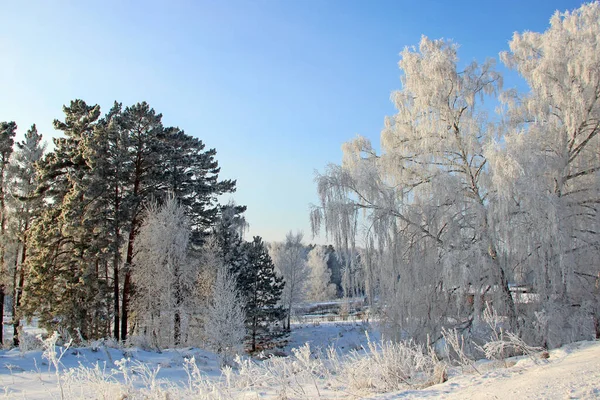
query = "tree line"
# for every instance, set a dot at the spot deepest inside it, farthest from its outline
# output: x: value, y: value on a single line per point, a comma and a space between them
x: 118, y: 231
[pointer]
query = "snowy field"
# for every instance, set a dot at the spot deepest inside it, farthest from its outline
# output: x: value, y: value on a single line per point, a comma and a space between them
x: 103, y: 372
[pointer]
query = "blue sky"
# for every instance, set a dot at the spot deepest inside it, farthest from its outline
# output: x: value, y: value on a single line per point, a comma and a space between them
x: 275, y: 86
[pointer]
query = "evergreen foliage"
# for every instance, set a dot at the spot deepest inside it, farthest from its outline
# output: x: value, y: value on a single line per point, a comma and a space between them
x: 96, y: 184
x: 262, y: 289
x: 25, y: 205
x: 7, y: 134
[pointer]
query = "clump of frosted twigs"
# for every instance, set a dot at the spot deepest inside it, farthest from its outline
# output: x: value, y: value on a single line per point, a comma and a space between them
x: 455, y: 342
x: 306, y: 374
x: 380, y: 367
x: 503, y: 343
x: 499, y: 345
x: 509, y: 344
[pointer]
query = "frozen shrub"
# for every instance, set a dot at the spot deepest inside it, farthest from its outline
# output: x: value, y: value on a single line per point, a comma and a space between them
x: 29, y: 342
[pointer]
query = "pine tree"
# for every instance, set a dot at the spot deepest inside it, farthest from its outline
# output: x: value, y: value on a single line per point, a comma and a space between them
x: 7, y: 134
x: 228, y: 234
x: 262, y: 289
x: 144, y: 127
x: 98, y: 180
x: 107, y: 152
x: 66, y: 241
x: 191, y: 174
x: 25, y: 205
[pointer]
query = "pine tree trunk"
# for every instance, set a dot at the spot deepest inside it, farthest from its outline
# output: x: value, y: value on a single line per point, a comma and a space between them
x: 127, y: 280
x: 19, y: 291
x: 116, y: 262
x: 129, y: 258
x: 14, y: 303
x: 116, y: 296
x: 125, y: 308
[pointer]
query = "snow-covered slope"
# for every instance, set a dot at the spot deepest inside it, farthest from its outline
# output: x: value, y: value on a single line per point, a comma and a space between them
x: 570, y: 372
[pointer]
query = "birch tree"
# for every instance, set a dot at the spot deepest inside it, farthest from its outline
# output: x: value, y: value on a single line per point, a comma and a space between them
x: 225, y: 327
x: 424, y: 200
x: 319, y: 283
x: 289, y: 258
x: 163, y: 274
x: 551, y: 166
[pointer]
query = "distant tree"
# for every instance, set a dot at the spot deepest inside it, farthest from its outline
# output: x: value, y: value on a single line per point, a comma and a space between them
x: 262, y: 289
x: 289, y: 258
x: 319, y: 284
x: 335, y: 266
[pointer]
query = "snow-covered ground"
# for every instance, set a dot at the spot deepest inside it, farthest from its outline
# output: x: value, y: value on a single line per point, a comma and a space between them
x: 98, y: 372
x: 571, y: 372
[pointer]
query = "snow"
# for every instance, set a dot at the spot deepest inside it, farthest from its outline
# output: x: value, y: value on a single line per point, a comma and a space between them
x: 572, y: 371
x: 344, y: 336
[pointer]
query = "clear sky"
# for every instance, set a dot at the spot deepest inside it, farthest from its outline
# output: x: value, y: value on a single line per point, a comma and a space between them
x: 275, y: 86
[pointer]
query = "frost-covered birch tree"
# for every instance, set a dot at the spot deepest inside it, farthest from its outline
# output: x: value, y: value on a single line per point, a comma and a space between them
x: 163, y: 276
x: 424, y: 199
x: 289, y: 258
x: 550, y: 169
x: 225, y: 327
x: 319, y: 283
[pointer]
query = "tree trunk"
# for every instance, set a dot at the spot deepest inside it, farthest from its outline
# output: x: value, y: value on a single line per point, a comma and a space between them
x: 253, y: 334
x: 14, y: 303
x: 129, y: 258
x: 177, y: 317
x: 116, y: 262
x: 177, y: 328
x: 508, y: 299
x: 19, y: 290
x: 126, y: 294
